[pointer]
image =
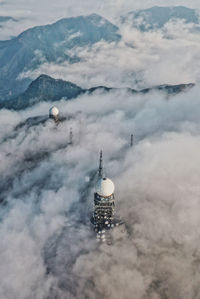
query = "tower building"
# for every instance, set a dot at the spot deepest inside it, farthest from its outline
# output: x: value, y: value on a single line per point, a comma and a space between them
x: 104, y: 205
x: 104, y: 218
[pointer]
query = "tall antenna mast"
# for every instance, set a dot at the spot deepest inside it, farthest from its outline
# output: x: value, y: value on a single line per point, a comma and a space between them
x: 71, y: 136
x: 131, y: 140
x: 101, y: 165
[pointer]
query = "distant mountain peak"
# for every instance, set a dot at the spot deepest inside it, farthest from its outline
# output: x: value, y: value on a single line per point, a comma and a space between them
x: 7, y: 18
x: 44, y: 88
x: 53, y: 41
x: 157, y: 16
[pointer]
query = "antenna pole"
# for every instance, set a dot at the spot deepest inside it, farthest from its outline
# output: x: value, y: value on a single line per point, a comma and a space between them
x: 131, y: 140
x: 71, y: 136
x: 101, y: 165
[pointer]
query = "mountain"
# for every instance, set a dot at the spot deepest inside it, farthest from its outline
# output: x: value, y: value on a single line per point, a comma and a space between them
x: 48, y: 43
x: 170, y: 89
x: 156, y: 17
x: 4, y: 19
x: 45, y: 88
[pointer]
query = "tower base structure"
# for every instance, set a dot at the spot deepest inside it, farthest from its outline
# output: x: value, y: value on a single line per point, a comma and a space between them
x: 109, y: 235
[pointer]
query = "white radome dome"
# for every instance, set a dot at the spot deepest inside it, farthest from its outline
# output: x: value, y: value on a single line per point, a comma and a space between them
x: 105, y: 187
x: 53, y: 111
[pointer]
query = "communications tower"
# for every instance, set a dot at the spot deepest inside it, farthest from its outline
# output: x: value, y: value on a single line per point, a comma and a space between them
x: 104, y: 205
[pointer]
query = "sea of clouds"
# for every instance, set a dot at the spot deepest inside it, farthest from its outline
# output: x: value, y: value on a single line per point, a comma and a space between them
x: 139, y: 60
x: 48, y: 249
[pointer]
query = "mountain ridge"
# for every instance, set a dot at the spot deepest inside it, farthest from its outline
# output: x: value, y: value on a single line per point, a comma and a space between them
x: 45, y: 88
x: 54, y: 43
x: 48, y: 43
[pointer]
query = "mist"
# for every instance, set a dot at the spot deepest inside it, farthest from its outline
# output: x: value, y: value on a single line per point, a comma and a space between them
x: 48, y: 248
x: 134, y: 62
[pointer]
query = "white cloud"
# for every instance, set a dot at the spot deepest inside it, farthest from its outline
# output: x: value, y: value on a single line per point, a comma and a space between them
x: 45, y: 223
x: 47, y: 248
x: 170, y: 56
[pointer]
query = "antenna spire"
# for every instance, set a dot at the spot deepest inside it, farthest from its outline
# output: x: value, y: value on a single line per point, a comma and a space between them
x: 131, y: 140
x: 71, y: 136
x: 101, y: 165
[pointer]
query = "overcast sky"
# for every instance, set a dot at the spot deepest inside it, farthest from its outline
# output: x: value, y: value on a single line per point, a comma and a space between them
x: 31, y: 14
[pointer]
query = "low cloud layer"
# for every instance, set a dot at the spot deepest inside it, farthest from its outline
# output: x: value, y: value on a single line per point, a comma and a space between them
x: 48, y: 249
x: 167, y: 56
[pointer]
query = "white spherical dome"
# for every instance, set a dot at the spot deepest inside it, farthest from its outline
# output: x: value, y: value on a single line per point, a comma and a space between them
x: 105, y: 187
x: 53, y: 111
